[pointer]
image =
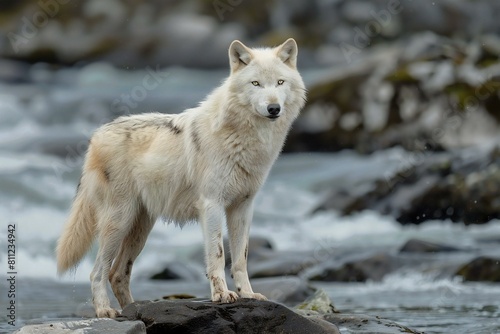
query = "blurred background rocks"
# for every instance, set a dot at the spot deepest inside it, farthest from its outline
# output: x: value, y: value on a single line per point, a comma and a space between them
x: 431, y: 81
x: 141, y: 32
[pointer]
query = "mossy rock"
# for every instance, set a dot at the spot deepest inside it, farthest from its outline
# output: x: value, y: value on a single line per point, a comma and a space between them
x: 342, y: 92
x: 401, y: 75
x: 481, y: 269
x: 462, y: 92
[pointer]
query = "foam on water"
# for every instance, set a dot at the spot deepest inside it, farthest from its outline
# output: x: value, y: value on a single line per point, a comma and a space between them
x: 413, y: 281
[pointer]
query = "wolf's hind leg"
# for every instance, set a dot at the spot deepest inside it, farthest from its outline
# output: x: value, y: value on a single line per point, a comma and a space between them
x: 131, y: 247
x: 113, y: 225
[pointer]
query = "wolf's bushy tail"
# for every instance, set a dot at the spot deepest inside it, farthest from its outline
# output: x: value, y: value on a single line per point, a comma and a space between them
x: 78, y: 233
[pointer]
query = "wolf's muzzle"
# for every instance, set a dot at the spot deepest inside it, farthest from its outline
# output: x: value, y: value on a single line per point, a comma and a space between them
x: 274, y: 110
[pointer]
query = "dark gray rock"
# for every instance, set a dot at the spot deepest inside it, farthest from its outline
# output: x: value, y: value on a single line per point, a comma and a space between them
x: 374, y: 267
x: 179, y: 270
x: 461, y: 185
x: 13, y: 71
x: 87, y: 326
x: 422, y: 246
x: 281, y: 264
x: 202, y: 316
x: 481, y: 269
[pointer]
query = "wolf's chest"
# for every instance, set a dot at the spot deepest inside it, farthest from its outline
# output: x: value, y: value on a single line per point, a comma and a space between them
x: 241, y: 178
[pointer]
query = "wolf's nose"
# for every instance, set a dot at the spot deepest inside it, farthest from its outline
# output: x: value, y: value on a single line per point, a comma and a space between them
x: 273, y: 109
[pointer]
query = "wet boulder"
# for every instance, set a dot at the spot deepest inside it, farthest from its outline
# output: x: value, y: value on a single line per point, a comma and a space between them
x: 481, y: 269
x: 203, y: 316
x: 179, y: 270
x: 422, y: 246
x: 463, y: 189
x: 282, y: 264
x: 461, y: 185
x: 373, y: 267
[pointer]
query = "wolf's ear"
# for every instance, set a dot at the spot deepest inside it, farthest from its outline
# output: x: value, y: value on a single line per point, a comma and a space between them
x: 287, y: 52
x: 239, y: 55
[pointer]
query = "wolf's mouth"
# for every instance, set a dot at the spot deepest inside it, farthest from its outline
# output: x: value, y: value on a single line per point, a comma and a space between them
x: 273, y: 117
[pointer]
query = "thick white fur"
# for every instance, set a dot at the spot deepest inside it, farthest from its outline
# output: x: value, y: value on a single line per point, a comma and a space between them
x: 205, y: 164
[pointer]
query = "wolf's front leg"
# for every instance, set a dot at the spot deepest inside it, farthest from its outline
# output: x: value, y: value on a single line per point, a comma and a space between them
x: 239, y: 219
x: 211, y: 219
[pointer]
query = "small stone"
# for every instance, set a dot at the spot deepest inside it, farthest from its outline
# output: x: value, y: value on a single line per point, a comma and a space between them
x: 320, y: 303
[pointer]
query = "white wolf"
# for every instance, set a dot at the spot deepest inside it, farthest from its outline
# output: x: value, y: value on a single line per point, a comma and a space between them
x: 205, y: 164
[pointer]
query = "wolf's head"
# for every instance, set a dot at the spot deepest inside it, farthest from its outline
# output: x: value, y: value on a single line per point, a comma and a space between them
x: 266, y: 80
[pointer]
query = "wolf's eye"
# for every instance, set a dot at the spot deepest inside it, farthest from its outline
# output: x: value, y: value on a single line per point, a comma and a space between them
x: 280, y: 82
x: 255, y: 83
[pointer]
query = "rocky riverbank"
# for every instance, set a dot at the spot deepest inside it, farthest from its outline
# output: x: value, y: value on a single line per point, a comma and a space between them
x: 421, y: 276
x: 288, y: 279
x: 314, y: 315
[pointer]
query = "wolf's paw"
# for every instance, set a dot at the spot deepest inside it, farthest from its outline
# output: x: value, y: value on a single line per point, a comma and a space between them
x: 225, y: 297
x: 253, y: 295
x: 107, y: 313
